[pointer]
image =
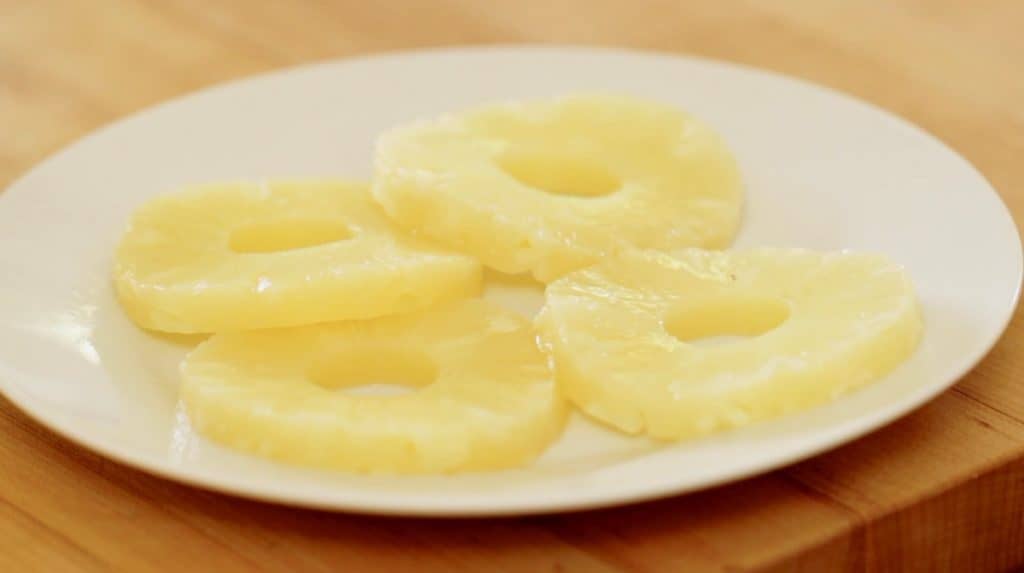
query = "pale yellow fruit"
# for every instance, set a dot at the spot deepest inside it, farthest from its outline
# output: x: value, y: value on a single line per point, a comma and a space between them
x: 687, y: 344
x: 483, y: 395
x: 237, y: 256
x: 551, y: 186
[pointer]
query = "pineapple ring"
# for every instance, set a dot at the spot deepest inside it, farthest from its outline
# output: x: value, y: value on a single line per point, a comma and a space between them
x: 485, y: 397
x: 245, y: 255
x: 624, y: 335
x: 552, y: 186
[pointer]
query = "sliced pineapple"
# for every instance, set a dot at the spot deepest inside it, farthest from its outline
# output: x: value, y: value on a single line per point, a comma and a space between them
x: 245, y: 255
x: 551, y: 186
x: 483, y: 396
x: 687, y: 344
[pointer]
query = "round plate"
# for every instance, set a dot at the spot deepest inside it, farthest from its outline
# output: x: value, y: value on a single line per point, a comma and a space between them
x: 822, y: 170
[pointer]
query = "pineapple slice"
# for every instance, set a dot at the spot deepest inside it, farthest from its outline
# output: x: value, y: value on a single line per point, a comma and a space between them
x: 244, y: 255
x: 551, y: 186
x: 688, y: 344
x: 482, y: 394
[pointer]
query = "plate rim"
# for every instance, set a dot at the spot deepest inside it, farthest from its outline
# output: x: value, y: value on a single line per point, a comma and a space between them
x: 456, y: 507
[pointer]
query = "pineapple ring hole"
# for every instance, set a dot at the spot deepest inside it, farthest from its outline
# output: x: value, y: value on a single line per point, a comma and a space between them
x: 286, y: 235
x: 374, y: 370
x: 560, y: 174
x: 725, y: 319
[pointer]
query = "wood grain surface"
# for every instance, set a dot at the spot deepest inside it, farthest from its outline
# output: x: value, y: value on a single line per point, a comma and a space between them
x: 941, y: 490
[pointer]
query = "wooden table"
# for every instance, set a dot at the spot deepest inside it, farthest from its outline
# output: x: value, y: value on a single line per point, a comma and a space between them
x: 942, y: 490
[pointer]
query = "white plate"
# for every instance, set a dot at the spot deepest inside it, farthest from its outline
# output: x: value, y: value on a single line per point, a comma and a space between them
x: 822, y: 170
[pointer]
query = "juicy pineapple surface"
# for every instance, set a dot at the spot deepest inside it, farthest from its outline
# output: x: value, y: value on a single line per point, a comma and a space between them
x: 551, y: 186
x: 226, y: 257
x: 687, y: 344
x: 484, y: 397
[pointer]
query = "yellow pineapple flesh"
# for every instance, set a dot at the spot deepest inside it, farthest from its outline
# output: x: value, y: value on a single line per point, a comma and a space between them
x: 482, y: 396
x: 551, y: 186
x: 236, y: 256
x: 682, y: 345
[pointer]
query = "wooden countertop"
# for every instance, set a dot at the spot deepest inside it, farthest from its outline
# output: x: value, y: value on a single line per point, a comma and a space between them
x: 941, y: 490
